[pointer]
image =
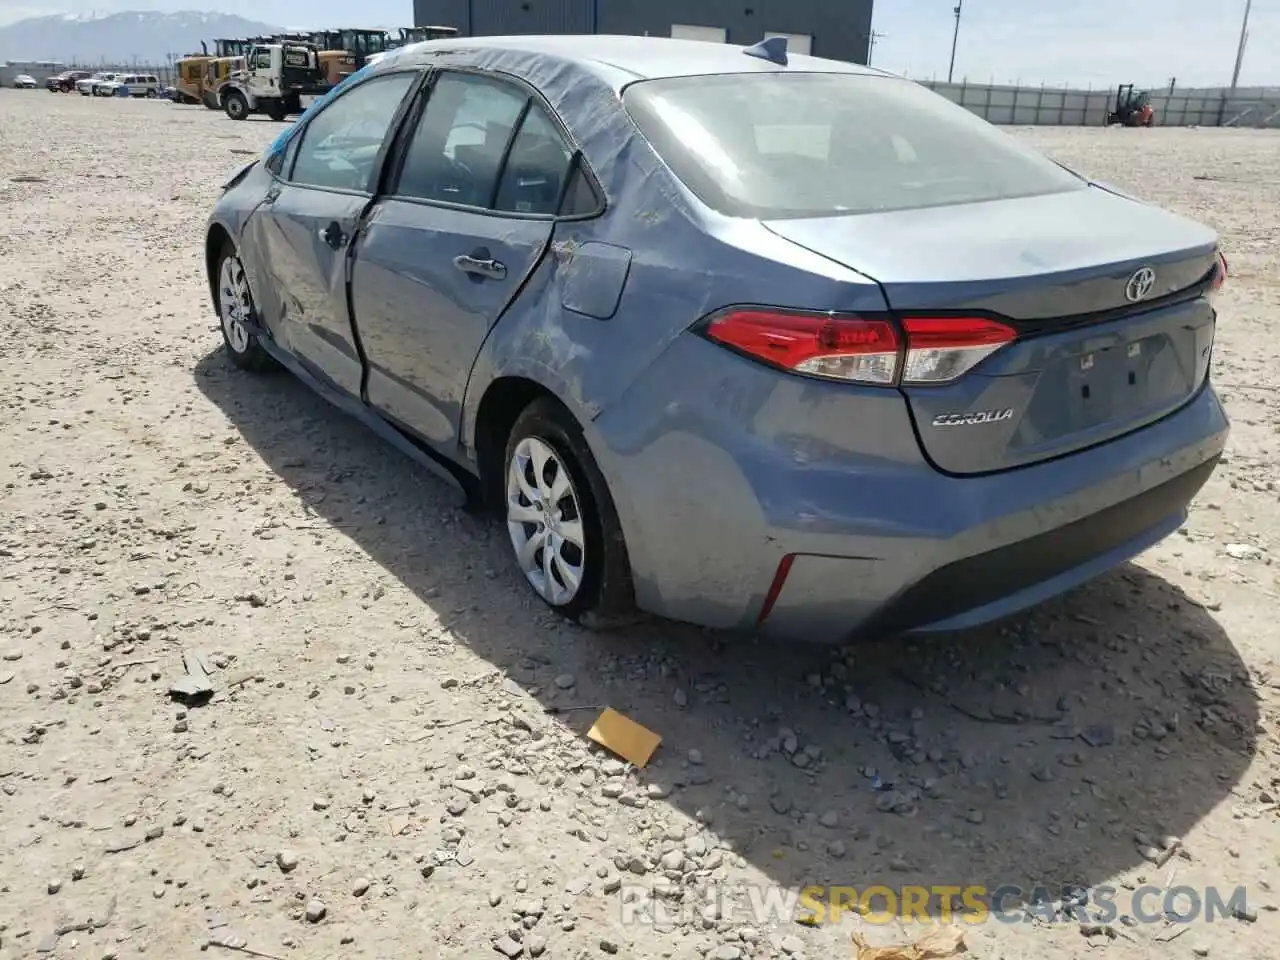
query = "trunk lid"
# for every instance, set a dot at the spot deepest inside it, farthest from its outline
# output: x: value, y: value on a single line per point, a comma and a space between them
x: 1090, y: 363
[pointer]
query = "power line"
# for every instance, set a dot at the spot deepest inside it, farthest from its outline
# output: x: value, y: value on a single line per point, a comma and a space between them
x: 871, y: 44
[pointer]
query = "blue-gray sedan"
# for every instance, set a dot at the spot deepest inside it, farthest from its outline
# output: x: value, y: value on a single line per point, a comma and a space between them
x: 734, y: 337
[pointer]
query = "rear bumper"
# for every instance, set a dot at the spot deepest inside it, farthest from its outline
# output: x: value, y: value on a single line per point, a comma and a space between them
x: 814, y: 602
x: 721, y: 469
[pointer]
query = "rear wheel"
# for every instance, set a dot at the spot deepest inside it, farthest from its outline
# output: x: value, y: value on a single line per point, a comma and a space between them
x: 236, y: 312
x: 276, y: 112
x: 235, y: 104
x: 560, y: 516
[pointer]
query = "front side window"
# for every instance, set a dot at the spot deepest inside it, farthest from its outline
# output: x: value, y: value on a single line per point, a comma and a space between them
x: 340, y: 146
x: 775, y: 145
x: 261, y: 60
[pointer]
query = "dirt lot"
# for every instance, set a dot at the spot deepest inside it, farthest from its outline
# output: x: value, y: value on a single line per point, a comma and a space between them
x: 378, y: 751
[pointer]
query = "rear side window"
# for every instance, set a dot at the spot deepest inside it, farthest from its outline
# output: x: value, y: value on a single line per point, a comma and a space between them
x: 536, y: 167
x: 340, y: 146
x: 776, y: 145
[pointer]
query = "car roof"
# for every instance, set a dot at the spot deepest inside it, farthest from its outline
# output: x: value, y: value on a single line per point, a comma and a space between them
x: 624, y: 59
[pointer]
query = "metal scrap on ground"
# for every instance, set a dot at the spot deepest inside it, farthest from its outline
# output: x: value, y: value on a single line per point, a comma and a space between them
x: 195, y: 686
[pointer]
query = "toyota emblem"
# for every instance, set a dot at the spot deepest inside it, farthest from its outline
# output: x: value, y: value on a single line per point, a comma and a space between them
x: 1140, y: 285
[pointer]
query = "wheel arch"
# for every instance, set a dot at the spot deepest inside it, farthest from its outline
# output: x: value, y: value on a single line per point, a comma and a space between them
x: 216, y: 237
x: 504, y: 398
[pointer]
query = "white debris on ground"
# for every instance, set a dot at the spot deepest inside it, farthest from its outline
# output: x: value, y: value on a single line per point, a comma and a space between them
x: 375, y: 773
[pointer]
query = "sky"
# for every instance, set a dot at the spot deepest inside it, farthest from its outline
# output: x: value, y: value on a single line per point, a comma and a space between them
x: 1084, y: 42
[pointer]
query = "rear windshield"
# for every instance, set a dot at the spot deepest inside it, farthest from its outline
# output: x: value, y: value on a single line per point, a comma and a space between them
x: 776, y: 145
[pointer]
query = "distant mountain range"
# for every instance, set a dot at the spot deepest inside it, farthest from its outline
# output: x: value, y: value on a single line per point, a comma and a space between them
x: 120, y: 38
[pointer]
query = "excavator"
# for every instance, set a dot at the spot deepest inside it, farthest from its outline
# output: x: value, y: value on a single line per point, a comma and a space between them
x: 1132, y: 109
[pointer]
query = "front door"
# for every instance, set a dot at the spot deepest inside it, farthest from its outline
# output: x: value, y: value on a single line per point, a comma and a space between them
x: 446, y: 252
x: 306, y: 231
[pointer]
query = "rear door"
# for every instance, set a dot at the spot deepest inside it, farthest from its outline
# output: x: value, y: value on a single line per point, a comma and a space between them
x: 467, y: 218
x: 305, y: 227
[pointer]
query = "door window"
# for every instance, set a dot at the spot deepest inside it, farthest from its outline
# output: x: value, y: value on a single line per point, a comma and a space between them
x: 461, y: 139
x: 261, y: 60
x: 459, y: 152
x: 535, y: 168
x: 340, y: 146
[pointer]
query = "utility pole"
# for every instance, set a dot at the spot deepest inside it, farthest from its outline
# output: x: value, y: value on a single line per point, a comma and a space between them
x: 871, y: 44
x: 955, y: 38
x: 1244, y: 36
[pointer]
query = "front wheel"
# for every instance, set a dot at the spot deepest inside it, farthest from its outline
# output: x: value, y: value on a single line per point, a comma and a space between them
x: 235, y: 104
x: 236, y: 312
x: 561, y: 519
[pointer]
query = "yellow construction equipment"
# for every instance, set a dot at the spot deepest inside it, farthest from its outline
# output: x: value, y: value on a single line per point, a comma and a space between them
x: 190, y: 77
x: 217, y: 71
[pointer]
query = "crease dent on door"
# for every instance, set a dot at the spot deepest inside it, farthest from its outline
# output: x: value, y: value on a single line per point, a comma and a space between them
x: 428, y: 284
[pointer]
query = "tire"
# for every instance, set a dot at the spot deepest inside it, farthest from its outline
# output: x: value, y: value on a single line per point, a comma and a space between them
x: 604, y: 596
x: 277, y: 113
x: 235, y: 105
x: 242, y: 347
x: 210, y: 101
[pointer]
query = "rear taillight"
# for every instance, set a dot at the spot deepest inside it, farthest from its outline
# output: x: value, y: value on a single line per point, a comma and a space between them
x: 1219, y: 275
x: 921, y: 350
x: 940, y: 349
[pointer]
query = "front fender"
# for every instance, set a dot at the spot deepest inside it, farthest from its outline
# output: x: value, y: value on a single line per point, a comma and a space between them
x: 242, y: 194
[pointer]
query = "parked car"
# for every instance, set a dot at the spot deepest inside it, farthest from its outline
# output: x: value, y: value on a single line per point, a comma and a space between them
x: 132, y: 85
x: 89, y: 85
x: 25, y: 82
x: 66, y: 81
x: 741, y: 338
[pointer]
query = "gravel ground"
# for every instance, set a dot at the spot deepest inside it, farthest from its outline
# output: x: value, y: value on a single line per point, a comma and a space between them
x: 377, y: 774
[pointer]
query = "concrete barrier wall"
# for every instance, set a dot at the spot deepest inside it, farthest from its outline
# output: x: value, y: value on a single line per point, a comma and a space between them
x: 1055, y: 106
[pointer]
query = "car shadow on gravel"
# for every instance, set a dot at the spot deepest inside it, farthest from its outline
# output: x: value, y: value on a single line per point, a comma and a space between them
x: 1025, y: 753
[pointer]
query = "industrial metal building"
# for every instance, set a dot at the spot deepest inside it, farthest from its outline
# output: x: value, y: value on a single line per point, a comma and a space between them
x: 826, y: 28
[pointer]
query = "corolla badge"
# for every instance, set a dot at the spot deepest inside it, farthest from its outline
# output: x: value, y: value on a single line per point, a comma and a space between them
x: 1140, y: 285
x: 972, y: 418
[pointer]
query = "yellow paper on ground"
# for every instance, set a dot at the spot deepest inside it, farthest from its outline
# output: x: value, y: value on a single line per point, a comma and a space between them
x: 625, y: 737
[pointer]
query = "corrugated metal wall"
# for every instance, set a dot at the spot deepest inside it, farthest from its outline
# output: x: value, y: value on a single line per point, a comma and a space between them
x: 839, y: 30
x: 492, y: 17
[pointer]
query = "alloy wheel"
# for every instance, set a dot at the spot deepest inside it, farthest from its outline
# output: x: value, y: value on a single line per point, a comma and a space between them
x: 234, y: 303
x: 544, y: 520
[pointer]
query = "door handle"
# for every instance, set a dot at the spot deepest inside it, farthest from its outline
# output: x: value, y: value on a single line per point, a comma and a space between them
x: 333, y: 235
x: 481, y: 265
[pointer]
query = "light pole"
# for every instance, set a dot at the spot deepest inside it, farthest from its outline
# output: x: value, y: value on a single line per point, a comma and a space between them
x: 871, y: 44
x: 1244, y: 36
x: 955, y: 38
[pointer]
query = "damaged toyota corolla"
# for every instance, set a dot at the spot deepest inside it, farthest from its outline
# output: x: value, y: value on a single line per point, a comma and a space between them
x: 732, y: 336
